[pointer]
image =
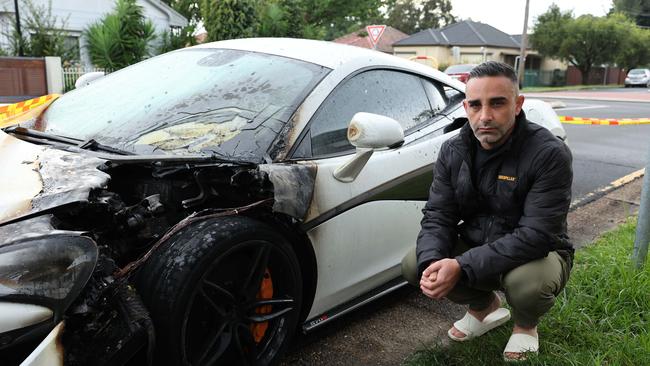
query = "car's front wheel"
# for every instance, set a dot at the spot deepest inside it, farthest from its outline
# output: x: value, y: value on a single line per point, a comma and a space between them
x: 223, y: 291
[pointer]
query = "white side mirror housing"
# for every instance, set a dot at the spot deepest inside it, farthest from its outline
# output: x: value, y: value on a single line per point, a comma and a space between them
x: 366, y: 132
x: 88, y: 78
x: 374, y: 131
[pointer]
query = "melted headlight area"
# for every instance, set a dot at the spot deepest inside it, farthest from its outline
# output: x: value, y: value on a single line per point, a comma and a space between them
x: 109, y: 324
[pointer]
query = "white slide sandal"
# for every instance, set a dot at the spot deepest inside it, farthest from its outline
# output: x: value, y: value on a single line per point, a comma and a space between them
x: 473, y: 327
x: 521, y: 343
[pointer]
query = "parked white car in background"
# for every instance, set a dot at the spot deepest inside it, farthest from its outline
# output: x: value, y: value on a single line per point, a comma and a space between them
x: 638, y: 77
x: 219, y: 198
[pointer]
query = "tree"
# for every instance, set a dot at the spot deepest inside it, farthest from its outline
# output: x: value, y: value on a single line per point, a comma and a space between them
x: 121, y: 38
x: 319, y: 19
x: 549, y: 30
x: 273, y: 19
x: 436, y: 14
x: 639, y: 10
x: 404, y: 15
x: 636, y: 49
x: 228, y: 19
x: 316, y: 19
x: 411, y: 16
x: 333, y: 18
x: 43, y: 34
x: 177, y: 38
x: 583, y: 42
x: 187, y: 8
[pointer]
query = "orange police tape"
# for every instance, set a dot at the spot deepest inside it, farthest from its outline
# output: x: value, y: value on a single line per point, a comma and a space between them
x: 604, y: 121
x: 19, y: 112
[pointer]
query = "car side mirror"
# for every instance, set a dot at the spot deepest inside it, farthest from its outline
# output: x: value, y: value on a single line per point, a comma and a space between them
x: 88, y: 78
x: 368, y: 132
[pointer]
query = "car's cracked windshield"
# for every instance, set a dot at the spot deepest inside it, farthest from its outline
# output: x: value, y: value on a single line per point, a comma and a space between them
x: 211, y: 101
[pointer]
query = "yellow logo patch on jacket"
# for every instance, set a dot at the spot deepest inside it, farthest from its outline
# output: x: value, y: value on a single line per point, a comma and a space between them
x: 507, y: 178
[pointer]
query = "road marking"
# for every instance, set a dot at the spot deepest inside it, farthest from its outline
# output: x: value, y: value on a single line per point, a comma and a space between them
x: 604, y: 121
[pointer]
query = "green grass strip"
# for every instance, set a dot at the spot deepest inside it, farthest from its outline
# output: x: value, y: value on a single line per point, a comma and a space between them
x: 601, y: 318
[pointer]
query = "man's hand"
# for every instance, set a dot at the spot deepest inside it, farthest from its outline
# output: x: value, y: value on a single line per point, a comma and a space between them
x: 440, y: 278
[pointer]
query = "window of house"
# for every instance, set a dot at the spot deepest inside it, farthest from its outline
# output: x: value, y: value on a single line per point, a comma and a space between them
x: 72, y: 46
x: 5, y: 29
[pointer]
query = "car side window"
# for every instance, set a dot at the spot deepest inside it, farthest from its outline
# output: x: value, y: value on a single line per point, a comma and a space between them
x: 395, y: 94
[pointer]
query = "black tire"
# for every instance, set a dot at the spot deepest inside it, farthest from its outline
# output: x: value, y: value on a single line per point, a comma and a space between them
x: 203, y: 290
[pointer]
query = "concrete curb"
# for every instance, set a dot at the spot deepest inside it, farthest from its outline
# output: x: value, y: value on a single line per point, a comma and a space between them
x: 592, y: 196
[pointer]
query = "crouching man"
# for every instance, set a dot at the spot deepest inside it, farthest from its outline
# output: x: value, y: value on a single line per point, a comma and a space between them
x: 496, y: 216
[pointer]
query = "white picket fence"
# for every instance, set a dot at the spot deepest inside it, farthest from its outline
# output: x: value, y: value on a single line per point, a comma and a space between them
x: 71, y: 74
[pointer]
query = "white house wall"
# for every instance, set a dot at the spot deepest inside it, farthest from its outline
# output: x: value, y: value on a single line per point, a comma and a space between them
x: 553, y: 64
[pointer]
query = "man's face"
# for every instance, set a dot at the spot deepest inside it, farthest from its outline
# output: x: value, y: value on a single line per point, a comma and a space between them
x: 492, y: 104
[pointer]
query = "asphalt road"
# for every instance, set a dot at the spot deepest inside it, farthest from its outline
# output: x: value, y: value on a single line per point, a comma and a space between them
x: 602, y: 154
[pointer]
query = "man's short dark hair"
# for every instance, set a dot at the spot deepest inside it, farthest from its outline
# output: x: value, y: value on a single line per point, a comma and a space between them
x: 494, y: 68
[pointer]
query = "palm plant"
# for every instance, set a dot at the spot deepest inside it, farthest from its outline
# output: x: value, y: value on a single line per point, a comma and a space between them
x: 121, y: 38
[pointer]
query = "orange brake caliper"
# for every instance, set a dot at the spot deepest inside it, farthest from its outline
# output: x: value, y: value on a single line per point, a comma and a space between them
x: 265, y: 293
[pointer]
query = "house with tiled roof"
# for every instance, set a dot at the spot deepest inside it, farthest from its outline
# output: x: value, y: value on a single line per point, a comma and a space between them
x: 361, y: 38
x: 470, y: 42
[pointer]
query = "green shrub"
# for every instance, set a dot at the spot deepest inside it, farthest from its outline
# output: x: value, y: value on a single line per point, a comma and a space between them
x: 121, y: 38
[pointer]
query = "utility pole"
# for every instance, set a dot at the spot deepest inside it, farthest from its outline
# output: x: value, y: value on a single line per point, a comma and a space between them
x: 20, y: 33
x: 642, y: 238
x: 522, y: 52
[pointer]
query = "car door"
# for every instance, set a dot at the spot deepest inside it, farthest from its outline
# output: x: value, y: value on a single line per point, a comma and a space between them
x: 361, y: 229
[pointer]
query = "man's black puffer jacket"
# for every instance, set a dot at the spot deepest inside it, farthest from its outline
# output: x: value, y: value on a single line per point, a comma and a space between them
x: 517, y: 214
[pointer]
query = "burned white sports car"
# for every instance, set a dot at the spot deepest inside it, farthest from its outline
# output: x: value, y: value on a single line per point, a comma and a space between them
x: 202, y: 206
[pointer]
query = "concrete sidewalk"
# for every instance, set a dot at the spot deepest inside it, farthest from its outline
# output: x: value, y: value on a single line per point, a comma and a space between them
x: 390, y: 330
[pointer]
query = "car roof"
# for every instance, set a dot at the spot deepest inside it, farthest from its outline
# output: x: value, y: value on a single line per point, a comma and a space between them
x: 324, y: 53
x: 460, y: 68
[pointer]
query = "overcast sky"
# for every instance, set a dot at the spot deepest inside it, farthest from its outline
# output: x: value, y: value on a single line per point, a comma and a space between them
x: 508, y: 15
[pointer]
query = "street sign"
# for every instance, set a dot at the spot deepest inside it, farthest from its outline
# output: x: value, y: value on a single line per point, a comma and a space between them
x: 374, y: 33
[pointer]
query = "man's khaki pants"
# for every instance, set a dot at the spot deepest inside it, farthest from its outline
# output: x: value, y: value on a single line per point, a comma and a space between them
x: 530, y: 288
